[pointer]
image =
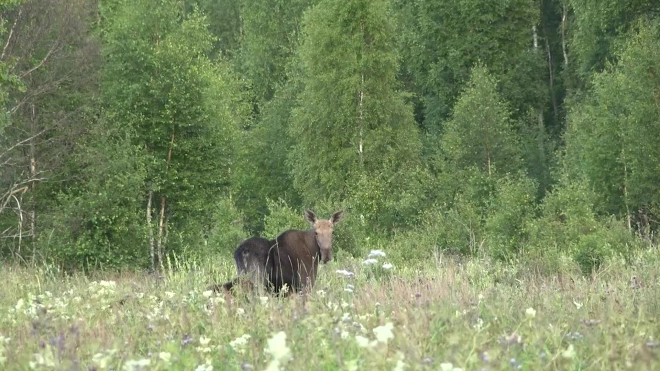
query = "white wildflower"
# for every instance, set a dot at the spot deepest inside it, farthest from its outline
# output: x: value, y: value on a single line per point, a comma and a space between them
x: 108, y: 284
x: 384, y: 333
x: 345, y: 273
x: 448, y: 366
x: 205, y: 367
x: 569, y: 352
x: 370, y: 261
x: 375, y: 253
x: 277, y: 346
x: 278, y: 349
x: 239, y: 343
x: 165, y: 357
x: 207, y: 293
x: 363, y: 342
x: 388, y: 266
x: 20, y: 304
x: 137, y: 364
x: 530, y: 313
x: 400, y: 365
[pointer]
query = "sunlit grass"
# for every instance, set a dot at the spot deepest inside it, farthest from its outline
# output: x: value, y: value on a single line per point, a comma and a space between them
x: 361, y: 315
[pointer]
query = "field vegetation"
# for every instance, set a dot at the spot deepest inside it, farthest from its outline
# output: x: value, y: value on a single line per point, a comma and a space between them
x: 446, y: 314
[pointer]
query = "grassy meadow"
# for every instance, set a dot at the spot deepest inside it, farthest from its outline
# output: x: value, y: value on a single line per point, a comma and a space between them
x: 446, y: 315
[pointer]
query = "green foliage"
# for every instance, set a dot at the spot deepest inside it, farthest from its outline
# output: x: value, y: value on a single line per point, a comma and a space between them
x: 480, y: 132
x: 227, y: 230
x: 569, y: 226
x: 610, y: 138
x: 513, y: 206
x: 185, y: 111
x: 261, y: 170
x: 99, y: 222
x: 597, y: 24
x: 270, y: 35
x: 354, y: 132
x: 282, y: 217
x: 442, y: 40
x: 434, y: 125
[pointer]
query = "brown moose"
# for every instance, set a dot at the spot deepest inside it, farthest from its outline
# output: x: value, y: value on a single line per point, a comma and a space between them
x: 292, y: 259
x: 252, y: 261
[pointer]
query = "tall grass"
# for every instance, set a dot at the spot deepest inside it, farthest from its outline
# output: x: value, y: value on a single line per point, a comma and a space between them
x: 442, y: 315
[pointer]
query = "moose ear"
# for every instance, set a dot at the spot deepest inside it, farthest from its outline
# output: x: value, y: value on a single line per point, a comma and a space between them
x: 310, y: 216
x: 336, y: 217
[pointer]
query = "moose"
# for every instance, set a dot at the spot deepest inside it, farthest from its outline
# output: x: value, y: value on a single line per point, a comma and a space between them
x: 252, y: 260
x: 291, y: 259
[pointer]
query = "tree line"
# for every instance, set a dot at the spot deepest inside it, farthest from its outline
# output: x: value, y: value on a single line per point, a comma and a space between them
x: 136, y: 131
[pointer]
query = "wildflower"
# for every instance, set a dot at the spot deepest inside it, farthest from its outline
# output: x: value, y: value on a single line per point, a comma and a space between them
x: 186, y: 339
x: 239, y: 343
x: 351, y: 365
x: 137, y: 365
x: 387, y: 266
x: 205, y: 367
x: 102, y: 359
x: 384, y: 333
x: 240, y: 311
x: 569, y: 352
x: 19, y: 304
x: 165, y: 357
x: 348, y: 289
x: 263, y: 300
x: 46, y: 359
x: 108, y: 284
x: 204, y: 341
x: 278, y: 349
x: 345, y: 273
x: 448, y: 366
x: 3, y: 341
x: 375, y: 253
x: 363, y: 342
x: 277, y: 346
x: 207, y: 293
x: 370, y: 261
x: 530, y: 313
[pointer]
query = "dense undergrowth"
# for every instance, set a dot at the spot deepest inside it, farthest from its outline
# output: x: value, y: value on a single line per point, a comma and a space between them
x: 367, y: 314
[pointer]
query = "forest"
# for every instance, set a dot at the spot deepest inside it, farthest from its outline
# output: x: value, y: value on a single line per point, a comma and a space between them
x: 134, y: 132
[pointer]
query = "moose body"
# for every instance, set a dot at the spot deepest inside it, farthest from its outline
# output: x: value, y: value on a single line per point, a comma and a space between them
x: 252, y: 260
x: 292, y: 259
x: 252, y: 255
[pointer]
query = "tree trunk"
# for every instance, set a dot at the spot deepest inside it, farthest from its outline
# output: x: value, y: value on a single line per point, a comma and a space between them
x: 162, y: 224
x: 152, y: 250
x: 564, y: 13
x: 625, y: 188
x: 361, y: 119
x: 33, y: 183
